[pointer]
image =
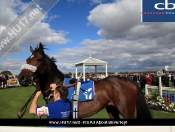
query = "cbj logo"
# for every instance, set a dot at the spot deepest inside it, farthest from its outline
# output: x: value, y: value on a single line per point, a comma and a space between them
x: 164, y: 6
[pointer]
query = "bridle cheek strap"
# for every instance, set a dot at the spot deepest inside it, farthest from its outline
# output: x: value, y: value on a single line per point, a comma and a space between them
x: 29, y: 67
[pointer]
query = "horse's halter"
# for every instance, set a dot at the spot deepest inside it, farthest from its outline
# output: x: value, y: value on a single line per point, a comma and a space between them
x: 34, y: 69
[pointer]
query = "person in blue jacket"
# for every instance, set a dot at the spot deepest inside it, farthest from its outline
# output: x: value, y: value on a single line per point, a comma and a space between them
x: 59, y: 109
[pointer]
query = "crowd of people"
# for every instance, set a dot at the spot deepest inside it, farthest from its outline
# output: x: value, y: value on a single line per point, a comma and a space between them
x: 151, y: 79
x: 143, y: 78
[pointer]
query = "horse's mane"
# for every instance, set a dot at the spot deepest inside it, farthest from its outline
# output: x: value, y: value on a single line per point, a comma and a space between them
x: 37, y: 48
x: 51, y: 61
x: 123, y: 78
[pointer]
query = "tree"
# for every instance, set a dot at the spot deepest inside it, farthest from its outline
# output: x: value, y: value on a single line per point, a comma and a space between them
x: 6, y: 72
x: 70, y: 74
x: 79, y: 73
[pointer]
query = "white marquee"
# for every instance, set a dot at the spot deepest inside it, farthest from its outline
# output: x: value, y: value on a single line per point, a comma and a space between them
x: 90, y: 62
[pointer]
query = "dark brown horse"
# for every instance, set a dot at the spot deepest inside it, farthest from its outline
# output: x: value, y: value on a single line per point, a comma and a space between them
x: 117, y: 95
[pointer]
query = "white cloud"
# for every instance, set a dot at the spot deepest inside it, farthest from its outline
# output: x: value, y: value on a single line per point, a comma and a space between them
x: 121, y: 53
x: 127, y: 44
x: 13, y: 65
x: 122, y: 20
x: 39, y: 32
x: 44, y: 34
x: 53, y: 17
x: 96, y: 1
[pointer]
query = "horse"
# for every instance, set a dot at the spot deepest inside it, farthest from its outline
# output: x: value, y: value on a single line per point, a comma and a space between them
x: 118, y: 95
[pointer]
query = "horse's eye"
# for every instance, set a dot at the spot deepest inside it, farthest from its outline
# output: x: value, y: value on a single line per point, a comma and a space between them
x: 39, y: 59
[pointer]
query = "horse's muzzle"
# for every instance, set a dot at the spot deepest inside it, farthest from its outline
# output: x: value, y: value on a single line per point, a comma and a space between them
x: 23, y: 80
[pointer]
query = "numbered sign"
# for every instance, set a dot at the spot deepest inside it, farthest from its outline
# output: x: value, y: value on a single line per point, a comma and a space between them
x: 159, y: 73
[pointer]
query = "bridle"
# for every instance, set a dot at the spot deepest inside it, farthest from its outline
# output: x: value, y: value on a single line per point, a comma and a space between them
x: 23, y: 109
x: 36, y: 71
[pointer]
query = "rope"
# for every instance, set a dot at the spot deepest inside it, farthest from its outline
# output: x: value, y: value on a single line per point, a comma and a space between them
x: 23, y: 109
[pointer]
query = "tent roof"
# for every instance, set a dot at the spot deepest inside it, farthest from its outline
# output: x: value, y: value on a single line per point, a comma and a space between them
x: 91, y: 62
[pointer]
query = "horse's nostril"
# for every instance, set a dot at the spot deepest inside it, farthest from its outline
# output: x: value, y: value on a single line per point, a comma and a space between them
x: 23, y: 78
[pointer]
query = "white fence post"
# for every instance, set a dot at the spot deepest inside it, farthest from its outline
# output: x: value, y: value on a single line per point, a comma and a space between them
x: 75, y: 100
x: 146, y: 89
x: 160, y: 86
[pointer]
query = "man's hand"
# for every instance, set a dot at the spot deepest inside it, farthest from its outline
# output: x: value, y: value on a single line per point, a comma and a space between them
x: 76, y: 81
x: 38, y: 93
x: 53, y: 86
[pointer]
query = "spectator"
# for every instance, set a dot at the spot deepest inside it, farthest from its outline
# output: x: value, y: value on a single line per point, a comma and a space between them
x: 148, y: 79
x: 135, y: 78
x: 142, y: 80
x: 154, y: 79
x: 129, y: 77
x: 172, y: 80
x: 166, y: 80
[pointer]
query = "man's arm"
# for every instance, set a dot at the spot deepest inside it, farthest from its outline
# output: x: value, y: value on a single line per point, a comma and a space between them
x: 70, y: 85
x: 54, y: 85
x: 33, y: 105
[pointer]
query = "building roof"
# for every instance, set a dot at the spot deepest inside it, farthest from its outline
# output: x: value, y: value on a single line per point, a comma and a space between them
x: 91, y: 62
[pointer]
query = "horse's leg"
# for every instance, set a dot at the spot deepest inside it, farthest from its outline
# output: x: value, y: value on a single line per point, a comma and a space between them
x: 112, y: 112
x: 129, y: 113
x: 126, y: 107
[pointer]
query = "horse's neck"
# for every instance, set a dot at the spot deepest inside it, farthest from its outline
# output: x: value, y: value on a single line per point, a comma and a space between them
x: 53, y: 76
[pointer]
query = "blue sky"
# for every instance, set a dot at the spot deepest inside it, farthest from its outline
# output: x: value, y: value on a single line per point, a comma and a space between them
x: 109, y: 30
x: 70, y: 16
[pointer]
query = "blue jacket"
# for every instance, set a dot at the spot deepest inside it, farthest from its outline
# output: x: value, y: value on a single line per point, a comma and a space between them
x: 60, y: 109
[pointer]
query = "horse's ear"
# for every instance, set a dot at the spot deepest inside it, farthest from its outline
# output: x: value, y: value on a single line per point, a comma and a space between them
x: 31, y: 49
x: 41, y: 47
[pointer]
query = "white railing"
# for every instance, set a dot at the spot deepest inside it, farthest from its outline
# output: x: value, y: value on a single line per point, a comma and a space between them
x: 160, y: 88
x: 157, y: 87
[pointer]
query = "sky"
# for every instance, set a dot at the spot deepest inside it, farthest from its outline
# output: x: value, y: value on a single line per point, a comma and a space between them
x: 109, y: 30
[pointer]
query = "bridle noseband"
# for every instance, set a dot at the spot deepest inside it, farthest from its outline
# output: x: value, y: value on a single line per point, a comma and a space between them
x: 36, y: 71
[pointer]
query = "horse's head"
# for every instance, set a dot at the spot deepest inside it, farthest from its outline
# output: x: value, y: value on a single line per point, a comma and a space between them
x: 35, y: 65
x: 44, y: 71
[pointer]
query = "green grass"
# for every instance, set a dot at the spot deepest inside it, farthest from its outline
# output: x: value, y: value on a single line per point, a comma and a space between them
x: 12, y: 100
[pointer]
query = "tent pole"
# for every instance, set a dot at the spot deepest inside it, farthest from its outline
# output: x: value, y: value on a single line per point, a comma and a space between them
x: 106, y: 70
x: 83, y: 72
x: 76, y: 72
x: 96, y: 72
